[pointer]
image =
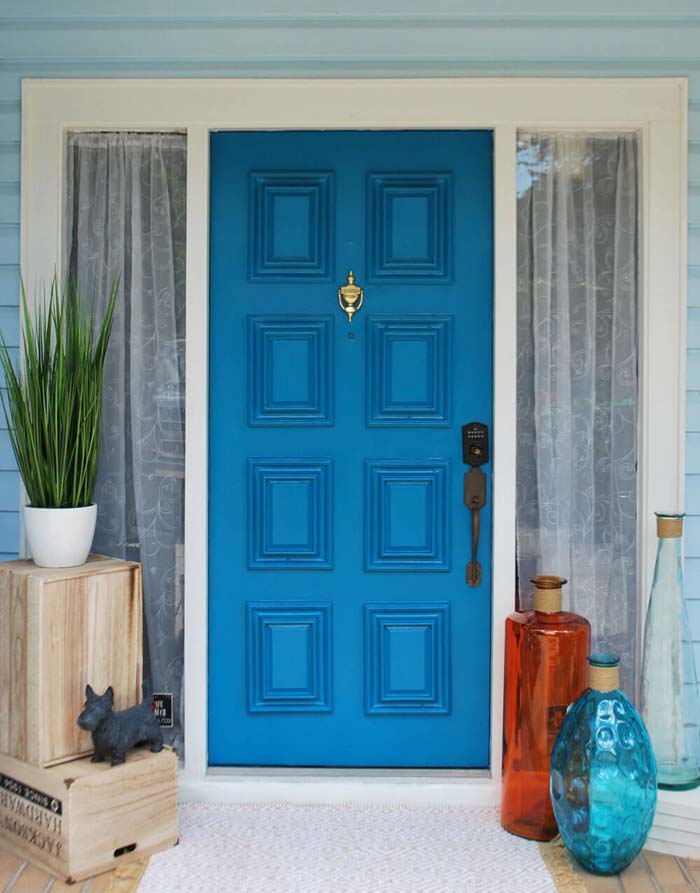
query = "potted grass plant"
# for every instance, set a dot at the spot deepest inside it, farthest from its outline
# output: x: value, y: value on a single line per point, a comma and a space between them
x: 53, y: 408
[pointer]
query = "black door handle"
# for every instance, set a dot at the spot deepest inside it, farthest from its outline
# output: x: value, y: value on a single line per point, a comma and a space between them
x: 475, y: 452
x: 474, y: 500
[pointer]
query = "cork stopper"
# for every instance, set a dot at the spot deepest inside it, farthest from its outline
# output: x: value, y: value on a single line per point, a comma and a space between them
x: 604, y: 672
x: 669, y: 526
x: 547, y: 593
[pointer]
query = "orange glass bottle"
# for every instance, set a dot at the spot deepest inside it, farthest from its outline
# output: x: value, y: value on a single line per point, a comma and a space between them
x: 546, y: 669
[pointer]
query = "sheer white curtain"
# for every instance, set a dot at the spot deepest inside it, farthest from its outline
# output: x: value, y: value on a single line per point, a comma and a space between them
x: 578, y: 272
x: 125, y: 216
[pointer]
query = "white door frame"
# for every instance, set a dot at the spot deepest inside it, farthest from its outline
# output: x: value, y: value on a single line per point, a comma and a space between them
x: 655, y: 107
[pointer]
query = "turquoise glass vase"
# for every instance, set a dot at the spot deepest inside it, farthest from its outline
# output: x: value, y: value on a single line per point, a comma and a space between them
x: 670, y: 703
x: 603, y: 780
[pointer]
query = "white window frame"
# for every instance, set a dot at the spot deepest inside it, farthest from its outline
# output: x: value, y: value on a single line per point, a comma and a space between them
x: 655, y: 107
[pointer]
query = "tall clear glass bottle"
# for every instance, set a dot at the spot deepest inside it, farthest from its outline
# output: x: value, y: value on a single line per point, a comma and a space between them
x: 670, y: 699
x: 546, y: 668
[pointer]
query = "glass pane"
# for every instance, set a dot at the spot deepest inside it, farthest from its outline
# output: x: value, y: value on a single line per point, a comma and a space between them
x: 578, y: 275
x: 125, y: 217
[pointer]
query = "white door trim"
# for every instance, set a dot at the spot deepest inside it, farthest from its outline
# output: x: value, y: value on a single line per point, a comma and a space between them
x: 656, y: 107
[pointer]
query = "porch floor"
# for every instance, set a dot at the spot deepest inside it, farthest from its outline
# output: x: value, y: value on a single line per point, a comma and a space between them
x: 670, y: 874
x: 649, y: 873
x: 18, y: 876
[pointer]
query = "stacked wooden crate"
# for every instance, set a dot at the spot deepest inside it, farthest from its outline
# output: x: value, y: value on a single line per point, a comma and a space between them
x: 61, y: 629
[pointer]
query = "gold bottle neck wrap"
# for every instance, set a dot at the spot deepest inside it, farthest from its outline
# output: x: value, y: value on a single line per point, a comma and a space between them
x: 547, y: 601
x: 669, y: 528
x: 604, y: 678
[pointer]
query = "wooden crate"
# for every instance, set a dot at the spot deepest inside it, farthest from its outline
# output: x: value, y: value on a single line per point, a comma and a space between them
x: 81, y: 818
x: 61, y: 628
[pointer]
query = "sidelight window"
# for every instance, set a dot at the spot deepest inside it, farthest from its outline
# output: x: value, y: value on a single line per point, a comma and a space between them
x: 125, y: 213
x: 578, y: 284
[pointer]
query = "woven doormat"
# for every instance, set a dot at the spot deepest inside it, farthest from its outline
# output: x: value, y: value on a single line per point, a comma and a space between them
x: 558, y: 861
x: 285, y: 848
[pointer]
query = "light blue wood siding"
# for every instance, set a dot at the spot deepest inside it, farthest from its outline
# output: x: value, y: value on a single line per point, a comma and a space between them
x: 217, y: 38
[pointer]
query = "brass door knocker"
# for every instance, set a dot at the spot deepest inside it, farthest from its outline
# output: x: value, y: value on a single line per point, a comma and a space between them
x: 350, y: 296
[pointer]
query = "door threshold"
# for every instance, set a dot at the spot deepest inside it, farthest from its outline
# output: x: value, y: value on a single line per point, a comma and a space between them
x: 370, y: 787
x: 330, y: 772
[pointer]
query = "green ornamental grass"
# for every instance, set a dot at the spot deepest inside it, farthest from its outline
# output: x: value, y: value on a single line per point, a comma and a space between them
x: 53, y: 406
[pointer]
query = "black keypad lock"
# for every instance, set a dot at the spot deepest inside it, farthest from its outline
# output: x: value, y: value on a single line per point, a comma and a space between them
x: 475, y: 444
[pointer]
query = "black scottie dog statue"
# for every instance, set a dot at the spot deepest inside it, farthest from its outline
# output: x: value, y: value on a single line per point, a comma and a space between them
x: 114, y: 733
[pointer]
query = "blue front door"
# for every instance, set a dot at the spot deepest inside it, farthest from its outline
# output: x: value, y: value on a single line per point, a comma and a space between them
x: 342, y: 631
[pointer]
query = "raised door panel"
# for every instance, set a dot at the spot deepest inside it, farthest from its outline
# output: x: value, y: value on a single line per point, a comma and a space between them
x: 407, y: 658
x: 290, y: 514
x: 290, y: 371
x: 409, y: 371
x: 290, y: 657
x: 409, y: 227
x: 407, y: 523
x: 291, y: 220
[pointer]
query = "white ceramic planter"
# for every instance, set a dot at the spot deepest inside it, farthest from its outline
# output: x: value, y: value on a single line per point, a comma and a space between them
x: 60, y: 537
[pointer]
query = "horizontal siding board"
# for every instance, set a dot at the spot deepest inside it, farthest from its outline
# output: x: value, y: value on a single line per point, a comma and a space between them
x: 694, y: 285
x: 9, y: 285
x: 692, y: 536
x: 333, y: 64
x: 9, y: 243
x: 692, y: 453
x: 10, y: 121
x: 651, y: 13
x: 9, y: 531
x: 473, y: 43
x: 9, y: 325
x: 9, y: 201
x: 694, y: 241
x: 9, y: 491
x: 405, y: 13
x: 692, y: 494
x: 692, y: 577
x: 694, y: 202
x: 7, y: 457
x: 694, y: 329
x: 693, y: 369
x: 693, y: 605
x: 693, y: 412
x: 9, y: 159
x: 14, y: 355
x: 10, y: 87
